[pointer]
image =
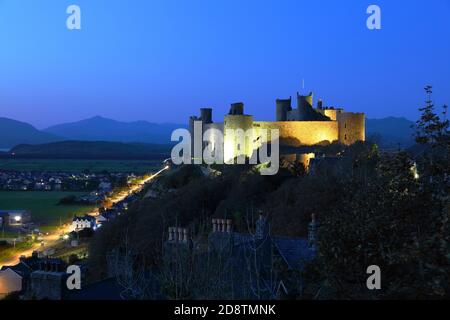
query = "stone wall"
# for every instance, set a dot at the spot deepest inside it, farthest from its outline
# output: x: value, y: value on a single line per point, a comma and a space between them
x: 233, y: 145
x: 298, y: 133
x: 351, y: 127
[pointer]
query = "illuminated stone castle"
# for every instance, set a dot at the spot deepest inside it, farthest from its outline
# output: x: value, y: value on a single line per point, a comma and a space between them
x: 304, y: 126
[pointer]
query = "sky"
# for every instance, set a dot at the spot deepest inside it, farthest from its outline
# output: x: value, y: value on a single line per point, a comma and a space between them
x: 161, y: 60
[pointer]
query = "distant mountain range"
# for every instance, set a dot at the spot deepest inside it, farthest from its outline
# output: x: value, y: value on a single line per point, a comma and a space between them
x: 391, y: 132
x: 103, y: 129
x: 14, y: 132
x: 388, y: 132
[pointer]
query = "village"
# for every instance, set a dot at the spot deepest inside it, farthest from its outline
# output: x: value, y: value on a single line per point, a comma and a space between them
x: 60, y: 181
x: 66, y: 243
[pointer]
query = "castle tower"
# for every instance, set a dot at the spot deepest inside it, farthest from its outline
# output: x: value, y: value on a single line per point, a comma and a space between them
x: 238, y: 133
x: 205, y: 119
x: 206, y: 115
x: 320, y: 104
x: 237, y: 109
x: 304, y: 105
x: 283, y: 106
x: 352, y: 127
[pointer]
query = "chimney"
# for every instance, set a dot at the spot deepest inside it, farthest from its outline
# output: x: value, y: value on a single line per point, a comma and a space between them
x: 175, y: 234
x: 224, y: 225
x: 170, y: 234
x: 312, y: 232
x: 218, y: 225
x: 262, y: 227
x: 228, y: 225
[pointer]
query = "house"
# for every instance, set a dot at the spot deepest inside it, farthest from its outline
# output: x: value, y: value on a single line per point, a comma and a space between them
x: 33, y: 277
x: 112, y: 289
x: 14, y: 217
x: 239, y: 265
x: 11, y: 280
x: 107, y: 215
x: 107, y: 289
x: 105, y: 186
x: 85, y: 222
x: 47, y: 285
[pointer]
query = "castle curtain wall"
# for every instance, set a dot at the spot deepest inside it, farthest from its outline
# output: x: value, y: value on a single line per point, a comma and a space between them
x: 298, y: 133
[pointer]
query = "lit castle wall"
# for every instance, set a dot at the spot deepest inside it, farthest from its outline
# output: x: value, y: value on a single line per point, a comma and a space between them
x: 304, y: 126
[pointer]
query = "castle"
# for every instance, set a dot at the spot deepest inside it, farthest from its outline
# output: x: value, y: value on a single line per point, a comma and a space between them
x: 304, y: 126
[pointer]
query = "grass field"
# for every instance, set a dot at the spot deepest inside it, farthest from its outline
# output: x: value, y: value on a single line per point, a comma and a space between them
x: 8, y: 252
x: 136, y: 166
x: 43, y: 205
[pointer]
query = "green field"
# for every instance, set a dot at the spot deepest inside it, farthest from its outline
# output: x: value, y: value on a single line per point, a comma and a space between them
x: 8, y: 252
x: 62, y: 165
x: 43, y: 205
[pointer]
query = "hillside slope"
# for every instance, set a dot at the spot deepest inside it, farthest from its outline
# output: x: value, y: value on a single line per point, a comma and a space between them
x: 14, y: 132
x: 93, y: 150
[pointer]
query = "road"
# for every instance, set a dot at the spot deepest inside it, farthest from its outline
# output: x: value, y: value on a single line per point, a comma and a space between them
x: 53, y: 238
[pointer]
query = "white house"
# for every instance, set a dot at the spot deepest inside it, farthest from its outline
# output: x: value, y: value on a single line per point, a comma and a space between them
x: 14, y: 217
x: 86, y: 222
x: 10, y: 281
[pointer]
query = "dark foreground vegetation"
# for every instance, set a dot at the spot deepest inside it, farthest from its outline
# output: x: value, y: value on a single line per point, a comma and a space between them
x: 389, y: 209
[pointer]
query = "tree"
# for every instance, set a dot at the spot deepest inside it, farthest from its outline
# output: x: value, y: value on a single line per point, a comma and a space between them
x: 394, y: 220
x: 432, y: 129
x: 434, y: 160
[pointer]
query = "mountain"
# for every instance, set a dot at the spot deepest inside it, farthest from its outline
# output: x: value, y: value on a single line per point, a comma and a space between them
x: 391, y: 132
x: 92, y: 150
x: 14, y: 132
x: 103, y: 129
x: 388, y: 132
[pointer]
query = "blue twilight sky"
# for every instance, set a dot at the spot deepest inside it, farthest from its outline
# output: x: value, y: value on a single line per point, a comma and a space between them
x: 161, y: 60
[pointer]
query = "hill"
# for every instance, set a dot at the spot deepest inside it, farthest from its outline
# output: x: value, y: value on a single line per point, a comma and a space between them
x: 14, y: 132
x: 92, y: 150
x: 103, y: 129
x: 391, y: 131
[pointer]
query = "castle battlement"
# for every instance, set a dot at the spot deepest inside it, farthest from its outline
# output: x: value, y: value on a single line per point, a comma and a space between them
x: 302, y: 126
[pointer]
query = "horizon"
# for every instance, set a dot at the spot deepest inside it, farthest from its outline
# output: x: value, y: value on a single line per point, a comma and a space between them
x: 158, y: 123
x: 162, y: 61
